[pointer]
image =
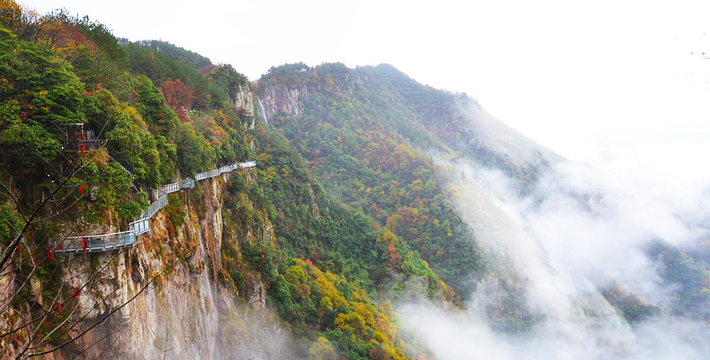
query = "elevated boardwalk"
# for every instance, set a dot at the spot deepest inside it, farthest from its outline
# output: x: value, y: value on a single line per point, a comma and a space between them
x: 127, y: 239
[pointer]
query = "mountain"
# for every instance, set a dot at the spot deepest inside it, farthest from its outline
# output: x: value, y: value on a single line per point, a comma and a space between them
x: 155, y: 204
x: 260, y: 262
x: 375, y: 138
x: 533, y: 243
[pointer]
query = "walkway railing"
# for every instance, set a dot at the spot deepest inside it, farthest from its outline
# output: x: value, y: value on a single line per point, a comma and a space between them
x: 140, y: 226
x: 125, y: 239
x: 96, y: 243
x: 224, y: 169
x: 154, y: 207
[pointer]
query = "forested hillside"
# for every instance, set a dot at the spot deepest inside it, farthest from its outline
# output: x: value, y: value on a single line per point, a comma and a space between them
x: 386, y: 145
x: 161, y: 113
x: 373, y: 136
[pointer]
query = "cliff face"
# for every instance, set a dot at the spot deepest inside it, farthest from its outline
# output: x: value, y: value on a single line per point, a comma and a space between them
x: 244, y: 98
x: 281, y: 98
x: 188, y: 310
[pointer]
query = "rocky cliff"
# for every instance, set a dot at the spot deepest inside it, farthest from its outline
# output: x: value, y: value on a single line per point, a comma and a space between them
x: 188, y: 312
x: 277, y: 99
x: 244, y: 99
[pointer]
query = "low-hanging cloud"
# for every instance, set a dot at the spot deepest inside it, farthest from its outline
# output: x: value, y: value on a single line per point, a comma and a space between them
x: 578, y: 232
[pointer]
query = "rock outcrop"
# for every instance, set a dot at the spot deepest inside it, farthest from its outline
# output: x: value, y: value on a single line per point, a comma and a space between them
x: 187, y: 309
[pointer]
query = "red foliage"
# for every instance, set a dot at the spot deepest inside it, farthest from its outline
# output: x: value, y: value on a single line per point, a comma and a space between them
x: 393, y: 259
x: 81, y: 189
x: 304, y: 290
x: 178, y: 96
x: 66, y: 36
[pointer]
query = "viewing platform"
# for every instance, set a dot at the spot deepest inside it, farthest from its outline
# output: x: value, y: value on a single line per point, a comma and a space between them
x: 75, y: 138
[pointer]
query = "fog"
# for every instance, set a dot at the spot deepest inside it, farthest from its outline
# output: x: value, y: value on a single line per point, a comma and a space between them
x: 467, y: 336
x: 580, y: 231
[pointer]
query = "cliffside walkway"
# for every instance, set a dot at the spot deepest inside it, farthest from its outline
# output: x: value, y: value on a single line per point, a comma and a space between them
x: 127, y: 239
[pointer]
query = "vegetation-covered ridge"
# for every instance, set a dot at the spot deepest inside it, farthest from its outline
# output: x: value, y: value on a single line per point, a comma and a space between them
x: 375, y: 139
x: 329, y: 270
x: 368, y: 135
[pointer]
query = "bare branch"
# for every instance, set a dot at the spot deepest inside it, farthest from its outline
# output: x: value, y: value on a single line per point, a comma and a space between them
x: 14, y: 243
x: 109, y: 314
x: 94, y: 343
x: 12, y: 196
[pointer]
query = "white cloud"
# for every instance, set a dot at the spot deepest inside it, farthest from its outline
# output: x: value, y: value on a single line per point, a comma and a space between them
x: 579, y: 230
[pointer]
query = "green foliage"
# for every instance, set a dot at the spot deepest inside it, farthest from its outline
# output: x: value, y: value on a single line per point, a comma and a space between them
x: 439, y: 113
x: 690, y: 276
x: 114, y: 183
x: 159, y: 117
x: 41, y: 84
x: 129, y: 140
x: 175, y: 210
x: 192, y: 151
x: 321, y: 350
x: 189, y: 57
x: 10, y: 223
x: 630, y: 305
x: 310, y: 299
x: 289, y: 72
x: 368, y: 148
x: 38, y: 93
x: 101, y: 36
x: 160, y: 67
x: 97, y: 70
x: 27, y: 146
x: 225, y: 77
x: 6, y: 34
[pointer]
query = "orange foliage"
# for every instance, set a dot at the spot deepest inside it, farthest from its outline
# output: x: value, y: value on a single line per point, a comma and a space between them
x: 63, y: 36
x: 393, y: 259
x: 178, y: 96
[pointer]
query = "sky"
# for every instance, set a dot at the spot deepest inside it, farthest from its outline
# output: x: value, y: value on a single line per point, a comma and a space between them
x: 611, y: 83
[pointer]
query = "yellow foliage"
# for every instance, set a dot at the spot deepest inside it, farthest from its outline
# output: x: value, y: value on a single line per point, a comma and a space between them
x: 351, y: 321
x: 101, y: 157
x: 365, y: 314
x: 295, y: 275
x: 321, y: 350
x: 380, y: 337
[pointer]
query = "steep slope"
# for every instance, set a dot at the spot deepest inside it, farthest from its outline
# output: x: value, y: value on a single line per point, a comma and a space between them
x: 373, y: 137
x: 550, y: 247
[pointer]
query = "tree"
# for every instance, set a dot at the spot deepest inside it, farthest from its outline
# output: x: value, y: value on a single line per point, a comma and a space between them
x: 160, y: 118
x: 178, y: 97
x: 321, y: 350
x: 193, y: 153
x: 26, y: 25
